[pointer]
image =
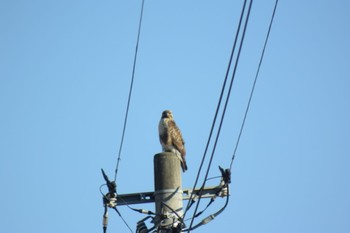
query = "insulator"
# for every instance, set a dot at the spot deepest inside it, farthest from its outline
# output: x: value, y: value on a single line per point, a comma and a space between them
x: 141, y: 227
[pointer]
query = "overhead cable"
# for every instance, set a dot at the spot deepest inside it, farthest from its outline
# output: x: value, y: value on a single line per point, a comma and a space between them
x: 218, y: 106
x: 130, y: 92
x: 253, y: 87
x: 224, y: 111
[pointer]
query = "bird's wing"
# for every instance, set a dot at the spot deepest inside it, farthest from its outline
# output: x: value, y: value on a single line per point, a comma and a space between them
x: 176, y: 138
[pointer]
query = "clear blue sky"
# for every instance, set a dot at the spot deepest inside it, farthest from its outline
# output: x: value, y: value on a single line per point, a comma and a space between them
x: 65, y: 69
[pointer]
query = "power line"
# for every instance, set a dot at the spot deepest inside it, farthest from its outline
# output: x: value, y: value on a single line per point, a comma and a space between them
x: 130, y: 92
x: 224, y: 110
x: 126, y: 224
x: 253, y: 88
x: 127, y: 108
x: 223, y: 114
x: 218, y: 107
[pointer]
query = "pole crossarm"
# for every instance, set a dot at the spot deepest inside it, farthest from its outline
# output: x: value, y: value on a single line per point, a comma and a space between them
x: 135, y: 198
x: 148, y: 197
x: 208, y: 192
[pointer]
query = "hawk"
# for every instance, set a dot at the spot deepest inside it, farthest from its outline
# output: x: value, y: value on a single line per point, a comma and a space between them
x: 170, y: 137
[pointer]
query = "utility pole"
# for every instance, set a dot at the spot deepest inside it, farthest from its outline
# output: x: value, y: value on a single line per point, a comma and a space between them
x: 168, y: 192
x: 168, y: 196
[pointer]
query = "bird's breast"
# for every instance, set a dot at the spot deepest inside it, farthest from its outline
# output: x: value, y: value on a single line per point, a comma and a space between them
x: 162, y: 127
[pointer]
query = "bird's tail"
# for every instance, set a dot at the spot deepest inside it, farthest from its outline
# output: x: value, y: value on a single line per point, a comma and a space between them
x: 183, y: 165
x: 182, y: 160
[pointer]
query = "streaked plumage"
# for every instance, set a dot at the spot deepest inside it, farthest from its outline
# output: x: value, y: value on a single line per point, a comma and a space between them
x: 170, y: 137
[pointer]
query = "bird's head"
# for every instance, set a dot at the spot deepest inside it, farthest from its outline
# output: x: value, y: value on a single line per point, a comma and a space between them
x: 167, y: 114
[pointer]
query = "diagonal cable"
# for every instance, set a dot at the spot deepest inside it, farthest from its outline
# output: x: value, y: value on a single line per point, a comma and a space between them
x: 130, y: 92
x: 253, y: 88
x: 223, y: 114
x: 218, y: 107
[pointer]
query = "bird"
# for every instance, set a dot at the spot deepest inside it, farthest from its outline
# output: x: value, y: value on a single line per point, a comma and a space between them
x: 170, y: 137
